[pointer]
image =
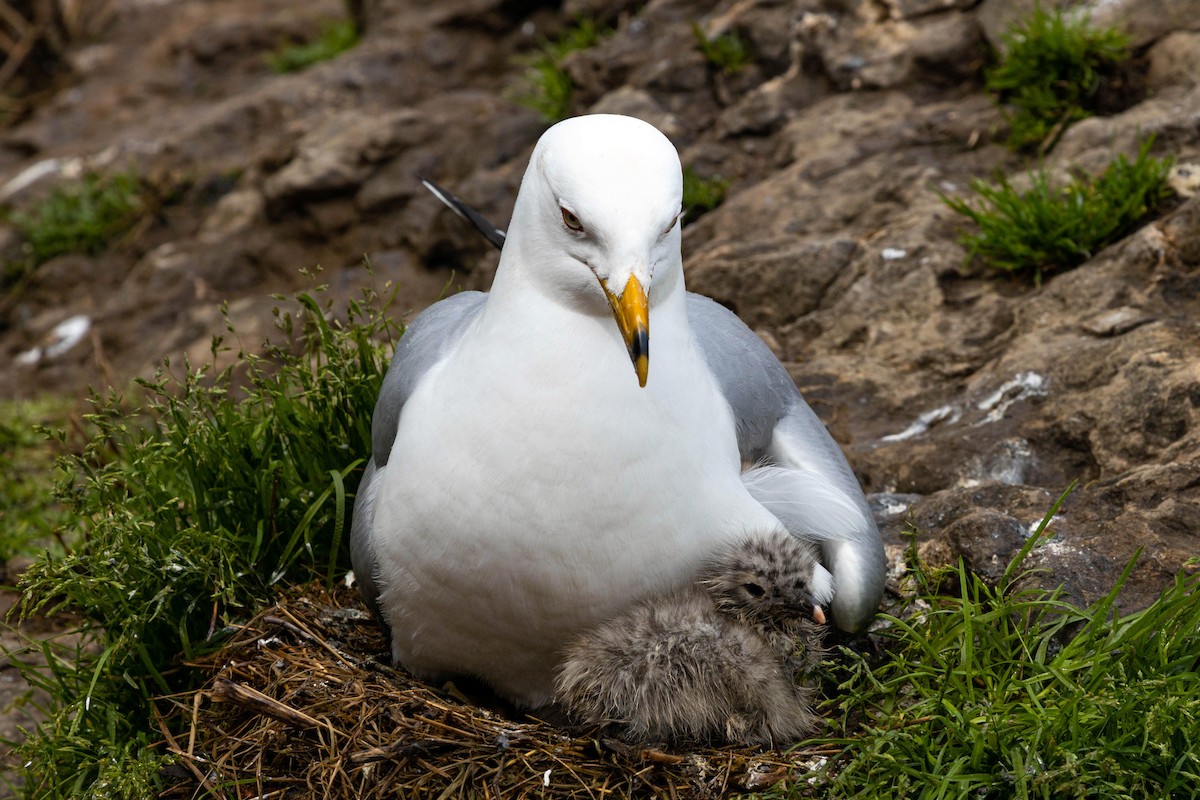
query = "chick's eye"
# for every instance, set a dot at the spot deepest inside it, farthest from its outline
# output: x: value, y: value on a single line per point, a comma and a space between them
x: 571, y: 221
x: 754, y: 590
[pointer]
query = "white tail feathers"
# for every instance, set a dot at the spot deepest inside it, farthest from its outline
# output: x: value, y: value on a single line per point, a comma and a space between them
x: 822, y: 586
x: 808, y: 506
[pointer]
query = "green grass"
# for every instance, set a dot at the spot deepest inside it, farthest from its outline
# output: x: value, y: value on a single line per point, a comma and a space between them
x: 192, y: 512
x: 81, y: 217
x: 30, y: 514
x: 546, y: 87
x: 727, y: 52
x: 700, y: 194
x: 1010, y: 692
x: 1048, y: 228
x: 335, y: 38
x: 1050, y: 69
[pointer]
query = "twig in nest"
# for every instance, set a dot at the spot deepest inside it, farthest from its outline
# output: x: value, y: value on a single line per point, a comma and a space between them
x: 295, y: 626
x: 641, y: 753
x: 186, y: 757
x: 397, y: 750
x: 226, y: 691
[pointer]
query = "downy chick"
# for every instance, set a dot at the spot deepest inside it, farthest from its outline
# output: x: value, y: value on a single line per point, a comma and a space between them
x: 717, y: 660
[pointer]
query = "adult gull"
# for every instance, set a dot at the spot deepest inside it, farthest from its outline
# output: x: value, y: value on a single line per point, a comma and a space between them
x: 526, y: 483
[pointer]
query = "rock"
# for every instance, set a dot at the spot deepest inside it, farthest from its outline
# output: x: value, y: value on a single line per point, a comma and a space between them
x: 986, y: 540
x: 603, y: 9
x: 770, y: 105
x: 905, y: 9
x: 1116, y: 321
x: 997, y: 17
x: 1091, y: 143
x: 770, y: 282
x: 15, y: 567
x: 1174, y: 61
x: 90, y: 59
x: 389, y: 15
x: 1184, y: 179
x: 66, y: 336
x: 639, y: 103
x: 234, y: 213
x: 339, y: 154
x: 11, y: 244
x: 25, y: 182
x: 1146, y: 21
x: 859, y: 52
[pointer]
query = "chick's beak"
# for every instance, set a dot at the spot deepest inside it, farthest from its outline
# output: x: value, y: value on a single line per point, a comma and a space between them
x: 631, y: 310
x: 809, y: 608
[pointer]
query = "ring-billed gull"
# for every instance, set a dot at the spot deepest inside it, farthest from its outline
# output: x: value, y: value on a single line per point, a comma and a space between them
x: 527, y: 483
x: 723, y: 659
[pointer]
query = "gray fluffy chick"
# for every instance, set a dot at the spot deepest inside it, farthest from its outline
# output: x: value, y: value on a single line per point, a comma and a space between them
x: 718, y: 660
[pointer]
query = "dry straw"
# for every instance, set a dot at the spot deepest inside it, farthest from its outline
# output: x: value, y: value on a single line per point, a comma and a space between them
x: 298, y: 704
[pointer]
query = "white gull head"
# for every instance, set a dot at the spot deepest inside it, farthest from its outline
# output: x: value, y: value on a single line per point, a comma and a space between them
x: 596, y: 224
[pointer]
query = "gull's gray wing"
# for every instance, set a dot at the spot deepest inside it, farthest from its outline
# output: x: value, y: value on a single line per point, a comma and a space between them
x: 425, y: 342
x: 803, y: 477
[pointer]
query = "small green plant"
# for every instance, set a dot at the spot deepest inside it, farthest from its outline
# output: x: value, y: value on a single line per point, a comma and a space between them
x: 700, y: 194
x: 548, y: 88
x: 1048, y: 228
x: 193, y: 512
x: 1011, y: 692
x: 30, y: 514
x: 727, y: 52
x: 1049, y: 72
x: 335, y: 38
x: 84, y: 217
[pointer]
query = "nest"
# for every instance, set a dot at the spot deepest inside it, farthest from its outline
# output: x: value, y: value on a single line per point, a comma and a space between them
x: 299, y: 704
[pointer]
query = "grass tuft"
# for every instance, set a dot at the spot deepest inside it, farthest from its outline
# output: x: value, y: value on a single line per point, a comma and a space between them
x: 193, y: 510
x: 1011, y: 692
x: 1047, y: 228
x: 335, y: 38
x: 548, y: 89
x: 727, y: 52
x: 84, y: 217
x: 1050, y: 69
x: 701, y: 195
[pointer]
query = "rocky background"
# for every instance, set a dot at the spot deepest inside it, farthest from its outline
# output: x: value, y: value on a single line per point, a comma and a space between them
x: 966, y: 400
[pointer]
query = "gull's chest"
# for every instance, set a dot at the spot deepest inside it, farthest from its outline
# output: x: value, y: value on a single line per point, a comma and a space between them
x: 560, y: 411
x: 534, y: 488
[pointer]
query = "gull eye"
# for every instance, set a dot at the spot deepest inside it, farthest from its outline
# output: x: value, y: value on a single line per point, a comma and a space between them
x: 571, y: 221
x: 670, y: 227
x: 754, y: 590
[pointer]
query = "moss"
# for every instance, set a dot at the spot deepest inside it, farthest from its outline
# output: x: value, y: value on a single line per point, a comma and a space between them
x: 1049, y: 73
x: 335, y: 38
x: 546, y: 87
x: 700, y: 194
x: 82, y: 217
x: 1049, y: 228
x: 727, y: 52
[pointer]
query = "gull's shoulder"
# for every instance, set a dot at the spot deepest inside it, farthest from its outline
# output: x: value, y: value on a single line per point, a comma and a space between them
x: 426, y: 341
x: 756, y: 385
